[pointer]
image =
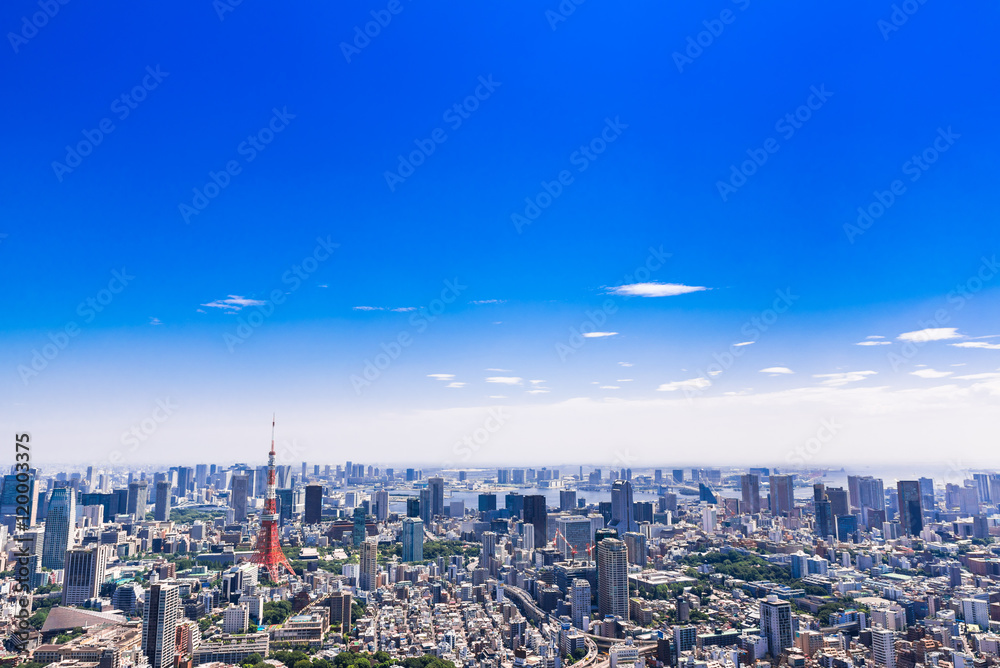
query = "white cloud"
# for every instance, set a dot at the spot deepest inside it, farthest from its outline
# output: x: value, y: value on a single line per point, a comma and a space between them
x: 873, y: 343
x: 623, y: 380
x: 455, y: 384
x: 838, y: 379
x: 403, y: 309
x: 931, y: 373
x: 874, y: 336
x: 690, y: 384
x: 234, y: 303
x: 441, y: 376
x: 654, y: 289
x: 323, y: 286
x: 976, y: 344
x: 930, y: 334
x: 610, y: 387
x: 777, y: 370
x: 538, y: 391
x: 500, y: 370
x: 155, y: 321
x: 598, y: 335
x: 368, y: 308
x: 989, y: 375
x: 744, y: 343
x: 714, y: 372
x: 505, y: 380
x: 624, y: 364
x: 536, y: 382
x: 488, y: 301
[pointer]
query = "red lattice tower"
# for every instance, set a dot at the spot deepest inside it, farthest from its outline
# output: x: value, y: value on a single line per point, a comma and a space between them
x: 267, y: 552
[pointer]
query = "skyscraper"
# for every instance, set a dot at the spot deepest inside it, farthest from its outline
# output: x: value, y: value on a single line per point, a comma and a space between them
x: 536, y: 514
x: 567, y: 499
x: 238, y: 497
x: 635, y: 544
x: 84, y: 574
x: 59, y: 523
x: 622, y: 509
x: 413, y: 539
x: 750, y: 488
x: 200, y: 475
x: 314, y: 504
x: 782, y: 495
x: 839, y: 503
x: 436, y: 486
x: 381, y: 509
x: 161, y: 512
x: 185, y: 476
x: 137, y: 499
x: 487, y: 502
x: 9, y: 500
x: 612, y: 578
x: 580, y: 603
x: 910, y: 515
x: 159, y: 624
x: 360, y: 529
x: 776, y: 624
x: 368, y: 565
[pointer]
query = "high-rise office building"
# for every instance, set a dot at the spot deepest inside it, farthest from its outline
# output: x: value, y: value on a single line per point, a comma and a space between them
x: 750, y: 489
x: 612, y: 578
x: 839, y: 503
x: 927, y: 491
x: 426, y: 505
x: 239, y: 496
x: 161, y: 511
x: 776, y: 624
x: 60, y: 520
x: 536, y: 514
x: 159, y: 624
x: 635, y: 544
x: 360, y: 529
x: 622, y: 508
x: 200, y: 475
x: 514, y: 502
x: 314, y: 505
x: 782, y: 495
x: 910, y: 515
x: 137, y: 495
x: 413, y: 507
x: 487, y: 502
x: 185, y: 478
x: 884, y: 647
x: 436, y: 486
x: 567, y: 499
x: 13, y: 497
x: 413, y: 539
x: 579, y: 597
x: 368, y: 565
x: 575, y: 534
x: 84, y: 574
x: 381, y: 509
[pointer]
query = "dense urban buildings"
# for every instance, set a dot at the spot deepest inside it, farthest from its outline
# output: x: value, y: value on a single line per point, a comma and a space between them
x: 811, y: 569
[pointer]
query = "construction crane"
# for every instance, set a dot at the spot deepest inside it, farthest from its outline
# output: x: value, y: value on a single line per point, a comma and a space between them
x: 572, y: 549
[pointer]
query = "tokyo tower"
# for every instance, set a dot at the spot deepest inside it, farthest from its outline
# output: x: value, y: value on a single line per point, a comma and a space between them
x: 267, y: 552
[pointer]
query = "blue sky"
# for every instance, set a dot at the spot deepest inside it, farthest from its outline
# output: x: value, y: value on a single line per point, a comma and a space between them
x: 665, y: 121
